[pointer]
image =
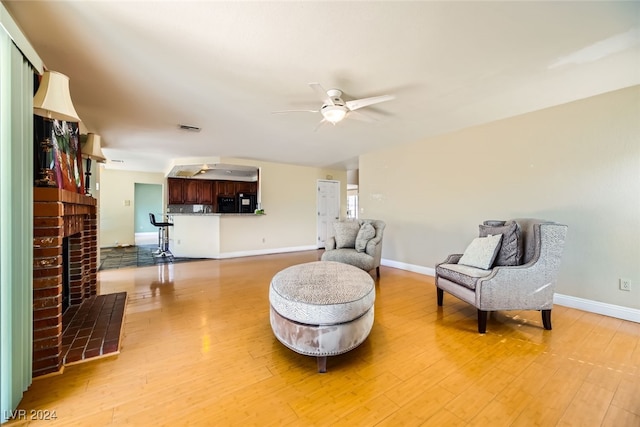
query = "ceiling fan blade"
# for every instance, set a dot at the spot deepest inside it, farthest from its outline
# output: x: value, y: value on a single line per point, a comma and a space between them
x: 319, y: 125
x: 363, y: 117
x: 359, y: 103
x: 295, y: 111
x: 322, y: 93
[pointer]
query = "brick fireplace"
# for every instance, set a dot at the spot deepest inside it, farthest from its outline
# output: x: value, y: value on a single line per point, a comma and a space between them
x: 60, y: 215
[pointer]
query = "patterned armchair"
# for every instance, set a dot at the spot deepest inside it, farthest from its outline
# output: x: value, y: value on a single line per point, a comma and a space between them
x: 522, y: 277
x: 356, y: 242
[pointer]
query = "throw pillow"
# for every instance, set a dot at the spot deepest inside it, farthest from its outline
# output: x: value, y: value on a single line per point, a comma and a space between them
x: 366, y: 233
x: 511, y: 249
x: 481, y: 252
x: 346, y: 233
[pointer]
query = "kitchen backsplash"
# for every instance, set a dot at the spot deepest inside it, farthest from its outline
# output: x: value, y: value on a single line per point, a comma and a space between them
x: 189, y: 208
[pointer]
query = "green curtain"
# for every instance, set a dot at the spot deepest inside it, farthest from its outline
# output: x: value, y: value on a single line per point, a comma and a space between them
x: 16, y: 225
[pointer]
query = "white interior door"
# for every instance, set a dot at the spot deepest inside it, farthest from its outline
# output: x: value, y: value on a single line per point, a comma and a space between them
x: 328, y: 208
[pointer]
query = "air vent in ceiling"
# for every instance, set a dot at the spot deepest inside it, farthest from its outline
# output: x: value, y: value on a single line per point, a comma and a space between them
x: 189, y: 128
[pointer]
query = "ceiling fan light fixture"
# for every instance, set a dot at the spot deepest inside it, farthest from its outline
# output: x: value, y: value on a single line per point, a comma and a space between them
x: 334, y: 113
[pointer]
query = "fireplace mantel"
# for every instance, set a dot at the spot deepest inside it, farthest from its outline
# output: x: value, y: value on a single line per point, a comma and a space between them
x: 60, y: 214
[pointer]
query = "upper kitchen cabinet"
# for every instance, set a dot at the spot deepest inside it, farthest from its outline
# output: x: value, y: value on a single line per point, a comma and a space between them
x: 191, y: 195
x: 176, y: 196
x: 206, y: 191
x: 226, y: 188
x: 184, y: 191
x: 206, y: 184
x: 247, y: 187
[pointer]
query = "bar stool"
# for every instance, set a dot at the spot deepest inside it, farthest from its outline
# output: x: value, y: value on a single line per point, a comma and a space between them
x: 163, y: 236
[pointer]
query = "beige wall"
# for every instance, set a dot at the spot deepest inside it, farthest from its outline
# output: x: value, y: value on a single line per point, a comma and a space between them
x: 117, y: 219
x: 289, y: 199
x: 577, y: 164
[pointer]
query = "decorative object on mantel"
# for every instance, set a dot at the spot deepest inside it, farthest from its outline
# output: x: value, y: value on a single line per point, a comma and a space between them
x: 52, y: 101
x: 91, y: 149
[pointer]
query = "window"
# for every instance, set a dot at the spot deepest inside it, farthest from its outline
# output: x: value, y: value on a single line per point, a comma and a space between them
x: 352, y: 206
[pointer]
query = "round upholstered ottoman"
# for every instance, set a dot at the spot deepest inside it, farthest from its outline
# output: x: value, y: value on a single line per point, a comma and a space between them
x: 322, y: 308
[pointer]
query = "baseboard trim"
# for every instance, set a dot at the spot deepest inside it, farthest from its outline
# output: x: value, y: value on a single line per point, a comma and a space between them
x: 611, y: 310
x: 147, y: 234
x: 146, y: 238
x: 427, y: 271
x: 239, y: 254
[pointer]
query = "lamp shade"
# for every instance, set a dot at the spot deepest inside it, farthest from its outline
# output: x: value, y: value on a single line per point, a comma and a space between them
x: 92, y: 148
x: 53, y: 100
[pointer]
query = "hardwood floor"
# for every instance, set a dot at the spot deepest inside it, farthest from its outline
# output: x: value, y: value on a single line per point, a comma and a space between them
x: 198, y: 350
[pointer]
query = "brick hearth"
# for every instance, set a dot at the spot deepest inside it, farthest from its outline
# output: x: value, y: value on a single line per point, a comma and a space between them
x: 59, y: 214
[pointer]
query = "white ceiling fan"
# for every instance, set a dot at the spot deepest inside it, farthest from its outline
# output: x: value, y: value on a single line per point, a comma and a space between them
x: 334, y: 109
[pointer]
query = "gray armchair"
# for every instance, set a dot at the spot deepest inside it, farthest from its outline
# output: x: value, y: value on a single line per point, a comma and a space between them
x: 526, y: 279
x: 356, y: 244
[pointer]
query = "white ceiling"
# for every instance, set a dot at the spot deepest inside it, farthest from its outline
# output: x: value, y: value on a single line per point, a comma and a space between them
x: 138, y: 69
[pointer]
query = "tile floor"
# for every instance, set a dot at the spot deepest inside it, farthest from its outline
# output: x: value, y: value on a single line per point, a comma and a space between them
x: 127, y: 256
x: 134, y: 256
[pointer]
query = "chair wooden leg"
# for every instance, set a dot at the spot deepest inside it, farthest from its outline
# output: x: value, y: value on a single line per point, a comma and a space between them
x: 322, y: 364
x: 482, y: 321
x: 546, y: 319
x: 440, y: 293
x: 378, y: 272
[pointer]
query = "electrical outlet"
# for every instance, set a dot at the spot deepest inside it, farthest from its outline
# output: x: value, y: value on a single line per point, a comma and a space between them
x: 625, y: 284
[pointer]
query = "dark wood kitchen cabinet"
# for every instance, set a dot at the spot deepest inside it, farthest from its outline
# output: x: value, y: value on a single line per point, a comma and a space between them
x: 187, y: 191
x: 176, y: 196
x: 190, y: 191
x: 184, y: 191
x: 226, y: 188
x: 206, y: 192
x: 246, y: 187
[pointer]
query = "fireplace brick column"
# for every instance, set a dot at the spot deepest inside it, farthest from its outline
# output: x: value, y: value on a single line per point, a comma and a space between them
x: 59, y: 214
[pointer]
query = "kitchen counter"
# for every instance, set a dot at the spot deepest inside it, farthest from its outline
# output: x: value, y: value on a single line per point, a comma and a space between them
x: 197, y: 235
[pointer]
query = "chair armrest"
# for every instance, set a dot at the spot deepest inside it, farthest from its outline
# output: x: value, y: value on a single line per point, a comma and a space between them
x: 372, y: 247
x: 330, y: 243
x: 451, y: 259
x: 519, y: 287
